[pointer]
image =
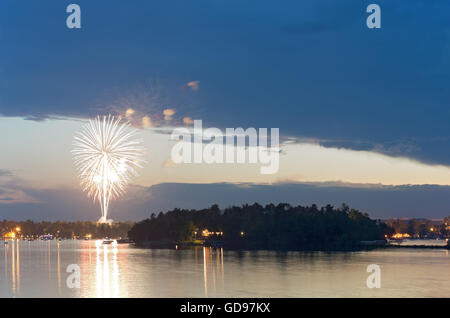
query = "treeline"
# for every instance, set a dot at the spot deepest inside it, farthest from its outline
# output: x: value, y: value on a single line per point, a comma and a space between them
x: 271, y: 227
x: 65, y: 230
x: 421, y: 228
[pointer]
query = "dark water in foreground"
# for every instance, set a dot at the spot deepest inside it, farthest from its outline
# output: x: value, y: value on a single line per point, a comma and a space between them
x: 38, y: 269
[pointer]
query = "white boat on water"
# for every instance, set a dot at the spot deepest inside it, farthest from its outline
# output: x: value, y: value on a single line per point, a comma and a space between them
x: 108, y: 241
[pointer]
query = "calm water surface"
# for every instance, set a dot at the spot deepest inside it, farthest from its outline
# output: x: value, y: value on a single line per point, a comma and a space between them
x: 38, y: 269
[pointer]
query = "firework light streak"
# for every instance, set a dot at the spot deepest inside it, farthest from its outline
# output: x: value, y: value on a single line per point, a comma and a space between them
x: 106, y: 154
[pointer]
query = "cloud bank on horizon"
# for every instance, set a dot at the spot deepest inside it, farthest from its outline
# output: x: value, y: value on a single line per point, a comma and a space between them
x: 353, y: 105
x: 379, y: 201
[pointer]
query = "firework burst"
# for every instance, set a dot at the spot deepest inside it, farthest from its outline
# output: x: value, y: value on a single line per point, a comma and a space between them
x: 106, y: 154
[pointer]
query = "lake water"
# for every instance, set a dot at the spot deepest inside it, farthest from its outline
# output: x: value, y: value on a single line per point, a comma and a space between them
x: 38, y: 269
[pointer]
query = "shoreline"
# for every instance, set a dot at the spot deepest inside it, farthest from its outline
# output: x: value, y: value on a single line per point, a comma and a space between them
x: 362, y: 247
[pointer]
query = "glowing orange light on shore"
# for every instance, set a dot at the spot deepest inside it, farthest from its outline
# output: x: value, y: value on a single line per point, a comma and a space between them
x: 10, y: 235
x: 401, y: 235
x: 18, y: 229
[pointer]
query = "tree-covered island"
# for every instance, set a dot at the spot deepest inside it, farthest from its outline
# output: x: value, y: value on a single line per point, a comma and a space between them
x: 270, y: 227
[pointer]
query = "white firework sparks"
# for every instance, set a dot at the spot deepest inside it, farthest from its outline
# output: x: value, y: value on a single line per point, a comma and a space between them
x: 106, y: 155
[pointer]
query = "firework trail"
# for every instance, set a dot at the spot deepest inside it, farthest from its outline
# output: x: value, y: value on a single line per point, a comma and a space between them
x: 106, y: 154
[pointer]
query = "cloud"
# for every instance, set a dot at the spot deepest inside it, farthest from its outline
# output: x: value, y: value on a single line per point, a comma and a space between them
x: 387, y: 99
x: 146, y: 122
x: 429, y: 201
x: 138, y: 119
x: 188, y: 120
x: 145, y: 105
x: 51, y: 204
x: 12, y: 189
x: 379, y: 201
x: 168, y: 114
x: 425, y: 150
x: 318, y: 163
x: 129, y: 112
x: 194, y: 85
x: 15, y: 195
x: 5, y: 173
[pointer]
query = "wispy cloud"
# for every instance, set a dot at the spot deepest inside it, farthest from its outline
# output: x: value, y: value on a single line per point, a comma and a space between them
x: 188, y: 120
x: 5, y: 173
x: 12, y: 189
x: 194, y: 85
x: 145, y: 106
x: 168, y: 114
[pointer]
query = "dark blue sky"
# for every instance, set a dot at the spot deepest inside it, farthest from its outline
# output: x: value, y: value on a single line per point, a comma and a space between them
x: 311, y: 68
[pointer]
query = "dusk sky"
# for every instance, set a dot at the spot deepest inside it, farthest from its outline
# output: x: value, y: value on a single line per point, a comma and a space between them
x: 363, y: 114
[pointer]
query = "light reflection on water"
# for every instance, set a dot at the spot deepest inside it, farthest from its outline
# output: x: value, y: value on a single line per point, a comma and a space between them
x: 38, y: 269
x: 107, y: 279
